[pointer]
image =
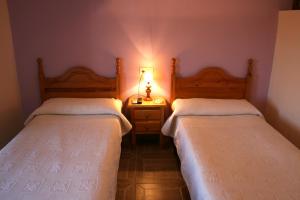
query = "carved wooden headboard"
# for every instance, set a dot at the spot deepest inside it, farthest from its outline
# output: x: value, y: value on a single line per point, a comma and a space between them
x: 211, y: 82
x: 79, y: 82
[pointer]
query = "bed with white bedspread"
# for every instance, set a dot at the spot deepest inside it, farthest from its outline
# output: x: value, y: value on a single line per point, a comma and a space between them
x: 228, y: 152
x: 69, y: 149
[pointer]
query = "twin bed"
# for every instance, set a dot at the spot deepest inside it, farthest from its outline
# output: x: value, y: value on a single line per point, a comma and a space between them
x: 226, y: 148
x: 70, y: 147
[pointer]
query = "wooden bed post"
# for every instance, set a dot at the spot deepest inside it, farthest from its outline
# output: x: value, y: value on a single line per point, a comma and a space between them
x: 42, y: 78
x: 249, y: 78
x: 173, y: 80
x: 118, y: 65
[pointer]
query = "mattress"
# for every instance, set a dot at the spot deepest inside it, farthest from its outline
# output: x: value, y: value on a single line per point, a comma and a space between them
x: 236, y: 157
x: 64, y: 157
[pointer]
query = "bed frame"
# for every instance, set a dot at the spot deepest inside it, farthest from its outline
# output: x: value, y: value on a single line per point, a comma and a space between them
x: 211, y: 82
x: 79, y: 82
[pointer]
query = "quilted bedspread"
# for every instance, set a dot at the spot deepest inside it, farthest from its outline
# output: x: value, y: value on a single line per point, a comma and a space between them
x: 62, y: 157
x: 236, y: 157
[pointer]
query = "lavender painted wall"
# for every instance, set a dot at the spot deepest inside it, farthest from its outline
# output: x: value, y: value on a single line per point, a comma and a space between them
x: 94, y: 32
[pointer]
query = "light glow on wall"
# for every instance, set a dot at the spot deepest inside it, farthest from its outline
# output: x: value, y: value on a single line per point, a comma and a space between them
x: 147, y: 73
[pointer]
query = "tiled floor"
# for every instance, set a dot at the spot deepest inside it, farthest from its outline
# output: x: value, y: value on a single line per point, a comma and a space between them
x: 149, y: 172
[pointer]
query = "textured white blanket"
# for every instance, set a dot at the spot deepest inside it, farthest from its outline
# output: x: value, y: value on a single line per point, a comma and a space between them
x: 69, y: 150
x: 62, y: 157
x: 236, y: 157
x: 229, y: 152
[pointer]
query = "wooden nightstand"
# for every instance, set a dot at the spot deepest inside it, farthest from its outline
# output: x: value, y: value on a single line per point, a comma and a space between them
x: 147, y: 118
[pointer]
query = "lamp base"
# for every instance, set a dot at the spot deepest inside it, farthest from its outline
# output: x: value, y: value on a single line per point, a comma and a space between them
x: 148, y: 99
x: 148, y: 92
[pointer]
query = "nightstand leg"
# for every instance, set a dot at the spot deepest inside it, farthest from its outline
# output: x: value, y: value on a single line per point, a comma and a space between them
x: 161, y: 140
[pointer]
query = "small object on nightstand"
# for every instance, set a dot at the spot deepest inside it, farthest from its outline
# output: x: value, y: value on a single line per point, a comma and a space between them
x: 147, y: 117
x: 137, y: 100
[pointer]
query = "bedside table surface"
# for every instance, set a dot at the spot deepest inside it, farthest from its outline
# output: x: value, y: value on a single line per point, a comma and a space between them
x: 153, y: 103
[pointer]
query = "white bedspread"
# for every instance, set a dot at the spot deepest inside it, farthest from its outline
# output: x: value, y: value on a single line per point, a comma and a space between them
x: 236, y: 157
x: 62, y: 157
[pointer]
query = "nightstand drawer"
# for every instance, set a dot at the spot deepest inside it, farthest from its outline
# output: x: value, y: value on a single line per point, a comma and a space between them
x: 149, y: 126
x: 147, y: 114
x: 147, y: 117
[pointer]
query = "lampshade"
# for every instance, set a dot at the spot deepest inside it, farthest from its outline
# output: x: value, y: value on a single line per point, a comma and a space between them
x: 148, y: 77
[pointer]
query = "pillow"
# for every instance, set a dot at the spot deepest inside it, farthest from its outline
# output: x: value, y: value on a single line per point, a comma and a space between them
x: 79, y: 106
x: 82, y: 106
x: 207, y: 107
x: 201, y: 106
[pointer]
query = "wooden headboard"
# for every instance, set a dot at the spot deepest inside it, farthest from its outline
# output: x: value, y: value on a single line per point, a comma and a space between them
x: 79, y: 82
x: 211, y: 82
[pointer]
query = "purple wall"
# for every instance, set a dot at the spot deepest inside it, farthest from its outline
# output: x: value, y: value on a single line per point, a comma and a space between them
x: 94, y: 32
